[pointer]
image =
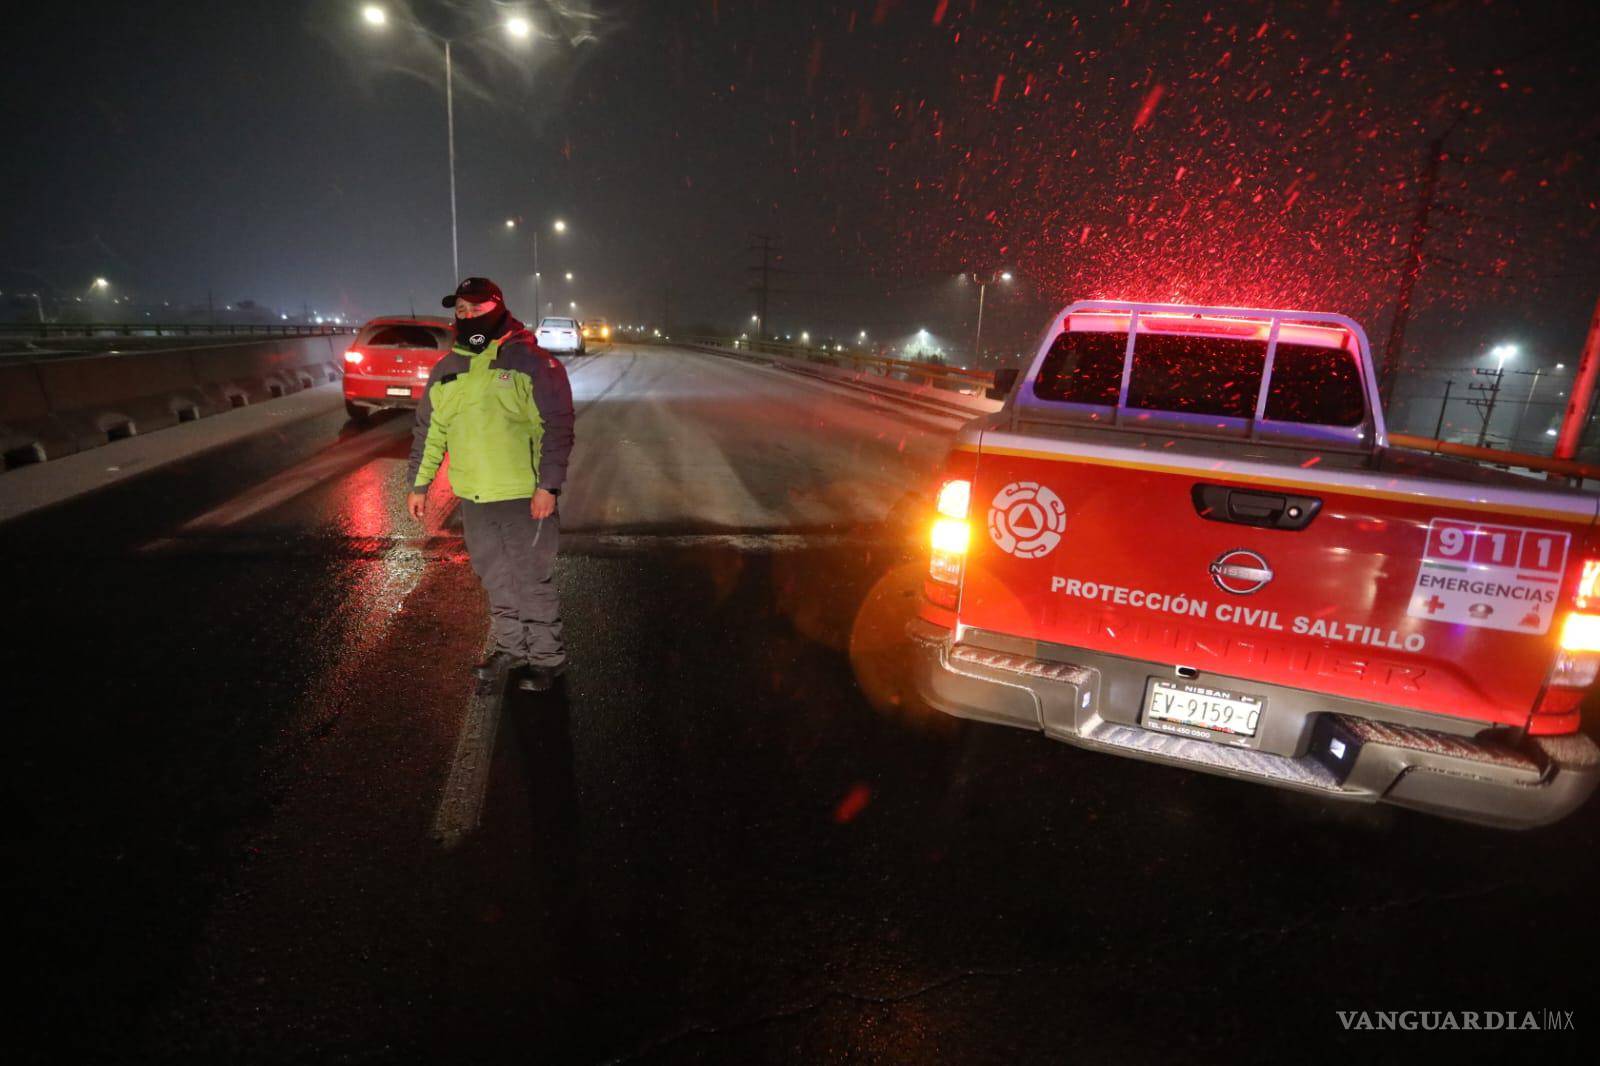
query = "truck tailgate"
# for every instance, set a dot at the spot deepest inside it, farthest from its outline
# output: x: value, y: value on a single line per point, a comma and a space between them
x: 1435, y: 596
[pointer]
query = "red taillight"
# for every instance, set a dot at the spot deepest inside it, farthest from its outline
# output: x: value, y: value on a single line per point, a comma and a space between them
x: 1588, y: 590
x: 353, y: 356
x: 1578, y: 656
x: 950, y: 534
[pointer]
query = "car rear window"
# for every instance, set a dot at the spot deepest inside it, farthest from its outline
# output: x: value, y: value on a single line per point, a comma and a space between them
x: 1196, y: 375
x: 401, y: 336
x: 1319, y: 386
x: 1083, y: 367
x: 1205, y: 376
x: 557, y: 323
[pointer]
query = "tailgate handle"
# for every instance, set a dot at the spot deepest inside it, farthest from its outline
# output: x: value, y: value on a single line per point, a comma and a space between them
x: 1245, y: 507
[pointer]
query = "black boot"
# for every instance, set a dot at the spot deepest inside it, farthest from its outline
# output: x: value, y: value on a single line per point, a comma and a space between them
x: 495, y: 664
x: 540, y: 678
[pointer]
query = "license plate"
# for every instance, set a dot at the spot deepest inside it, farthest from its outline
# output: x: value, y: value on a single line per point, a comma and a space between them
x: 396, y: 390
x: 1203, y: 707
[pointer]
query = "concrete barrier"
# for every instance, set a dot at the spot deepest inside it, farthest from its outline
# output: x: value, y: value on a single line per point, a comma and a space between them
x: 57, y: 406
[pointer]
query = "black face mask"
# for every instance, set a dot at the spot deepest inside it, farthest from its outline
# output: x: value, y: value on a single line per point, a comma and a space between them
x: 476, y: 333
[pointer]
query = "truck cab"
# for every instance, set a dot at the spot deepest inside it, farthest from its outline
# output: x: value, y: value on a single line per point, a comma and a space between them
x: 1185, y: 538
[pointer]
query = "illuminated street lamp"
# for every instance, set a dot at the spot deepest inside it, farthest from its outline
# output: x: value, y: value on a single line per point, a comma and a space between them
x: 376, y: 16
x: 538, y: 278
x: 983, y: 284
x: 569, y: 275
x: 1503, y: 352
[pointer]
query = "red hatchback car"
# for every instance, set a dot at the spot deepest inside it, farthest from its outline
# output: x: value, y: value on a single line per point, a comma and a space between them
x: 388, y: 364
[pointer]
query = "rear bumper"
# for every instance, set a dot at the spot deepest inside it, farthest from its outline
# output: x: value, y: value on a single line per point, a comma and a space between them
x: 1334, y: 748
x: 373, y: 391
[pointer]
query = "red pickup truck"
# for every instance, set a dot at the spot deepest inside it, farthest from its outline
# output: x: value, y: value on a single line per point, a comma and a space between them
x: 1185, y: 538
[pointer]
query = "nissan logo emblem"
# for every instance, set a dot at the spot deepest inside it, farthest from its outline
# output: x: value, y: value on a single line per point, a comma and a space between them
x: 1240, y: 572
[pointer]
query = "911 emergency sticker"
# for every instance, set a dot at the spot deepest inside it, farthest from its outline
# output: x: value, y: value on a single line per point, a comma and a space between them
x: 1027, y: 519
x: 1490, y: 576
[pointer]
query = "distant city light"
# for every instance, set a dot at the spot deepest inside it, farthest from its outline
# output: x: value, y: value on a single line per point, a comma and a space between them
x: 1561, y: 366
x: 511, y: 223
x: 804, y: 337
x: 560, y: 226
x: 101, y: 283
x: 1005, y: 275
x: 569, y: 275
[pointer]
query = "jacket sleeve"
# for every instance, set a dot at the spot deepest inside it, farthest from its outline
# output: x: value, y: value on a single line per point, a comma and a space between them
x: 430, y: 436
x: 552, y: 394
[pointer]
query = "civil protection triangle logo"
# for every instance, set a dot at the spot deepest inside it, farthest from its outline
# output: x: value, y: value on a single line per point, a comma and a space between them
x: 1027, y: 519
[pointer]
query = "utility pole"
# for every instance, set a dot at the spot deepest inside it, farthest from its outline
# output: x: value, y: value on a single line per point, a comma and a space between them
x: 1486, y: 407
x: 1438, y: 427
x: 1394, y: 349
x: 763, y: 288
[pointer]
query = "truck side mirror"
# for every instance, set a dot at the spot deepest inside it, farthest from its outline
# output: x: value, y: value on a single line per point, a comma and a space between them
x: 1004, y: 379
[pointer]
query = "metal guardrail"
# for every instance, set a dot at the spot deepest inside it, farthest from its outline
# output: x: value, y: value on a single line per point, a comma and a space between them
x: 979, y: 380
x: 1494, y: 457
x: 968, y: 381
x: 158, y: 329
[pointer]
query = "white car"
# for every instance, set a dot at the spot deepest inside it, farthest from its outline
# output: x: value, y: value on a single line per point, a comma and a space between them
x: 559, y: 335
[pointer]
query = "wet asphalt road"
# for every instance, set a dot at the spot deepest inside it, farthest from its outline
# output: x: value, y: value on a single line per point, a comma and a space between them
x: 238, y: 691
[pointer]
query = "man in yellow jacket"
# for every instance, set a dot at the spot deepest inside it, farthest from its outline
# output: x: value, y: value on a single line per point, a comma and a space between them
x: 501, y: 407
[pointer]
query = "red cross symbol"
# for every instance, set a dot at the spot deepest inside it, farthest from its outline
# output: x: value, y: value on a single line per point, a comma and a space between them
x: 1433, y: 604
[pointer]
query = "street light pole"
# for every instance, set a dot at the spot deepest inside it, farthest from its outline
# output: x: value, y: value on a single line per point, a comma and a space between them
x: 983, y: 285
x: 977, y: 341
x: 450, y: 127
x: 518, y: 28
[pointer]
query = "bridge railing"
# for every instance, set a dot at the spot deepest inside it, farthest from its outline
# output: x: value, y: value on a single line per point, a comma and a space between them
x: 163, y: 329
x: 954, y: 378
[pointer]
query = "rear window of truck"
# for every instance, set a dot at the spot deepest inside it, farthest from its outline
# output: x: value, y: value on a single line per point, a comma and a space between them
x: 1205, y: 376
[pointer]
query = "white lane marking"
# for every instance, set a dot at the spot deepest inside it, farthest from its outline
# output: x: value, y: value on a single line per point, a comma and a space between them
x: 461, y: 805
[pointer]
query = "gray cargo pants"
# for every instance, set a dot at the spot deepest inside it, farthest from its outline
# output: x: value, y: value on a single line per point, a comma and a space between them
x: 513, y: 555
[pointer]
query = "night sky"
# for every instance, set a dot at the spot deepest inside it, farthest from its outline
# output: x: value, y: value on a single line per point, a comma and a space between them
x: 1262, y: 153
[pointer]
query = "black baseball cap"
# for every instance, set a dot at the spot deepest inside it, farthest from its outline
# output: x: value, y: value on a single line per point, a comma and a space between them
x: 475, y: 290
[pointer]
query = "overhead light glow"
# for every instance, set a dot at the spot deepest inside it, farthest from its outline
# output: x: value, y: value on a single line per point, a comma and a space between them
x: 519, y: 27
x: 375, y: 15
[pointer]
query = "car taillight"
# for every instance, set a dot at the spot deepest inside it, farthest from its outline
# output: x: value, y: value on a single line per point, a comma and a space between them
x: 1588, y: 585
x: 1578, y: 660
x: 353, y: 356
x: 950, y: 534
